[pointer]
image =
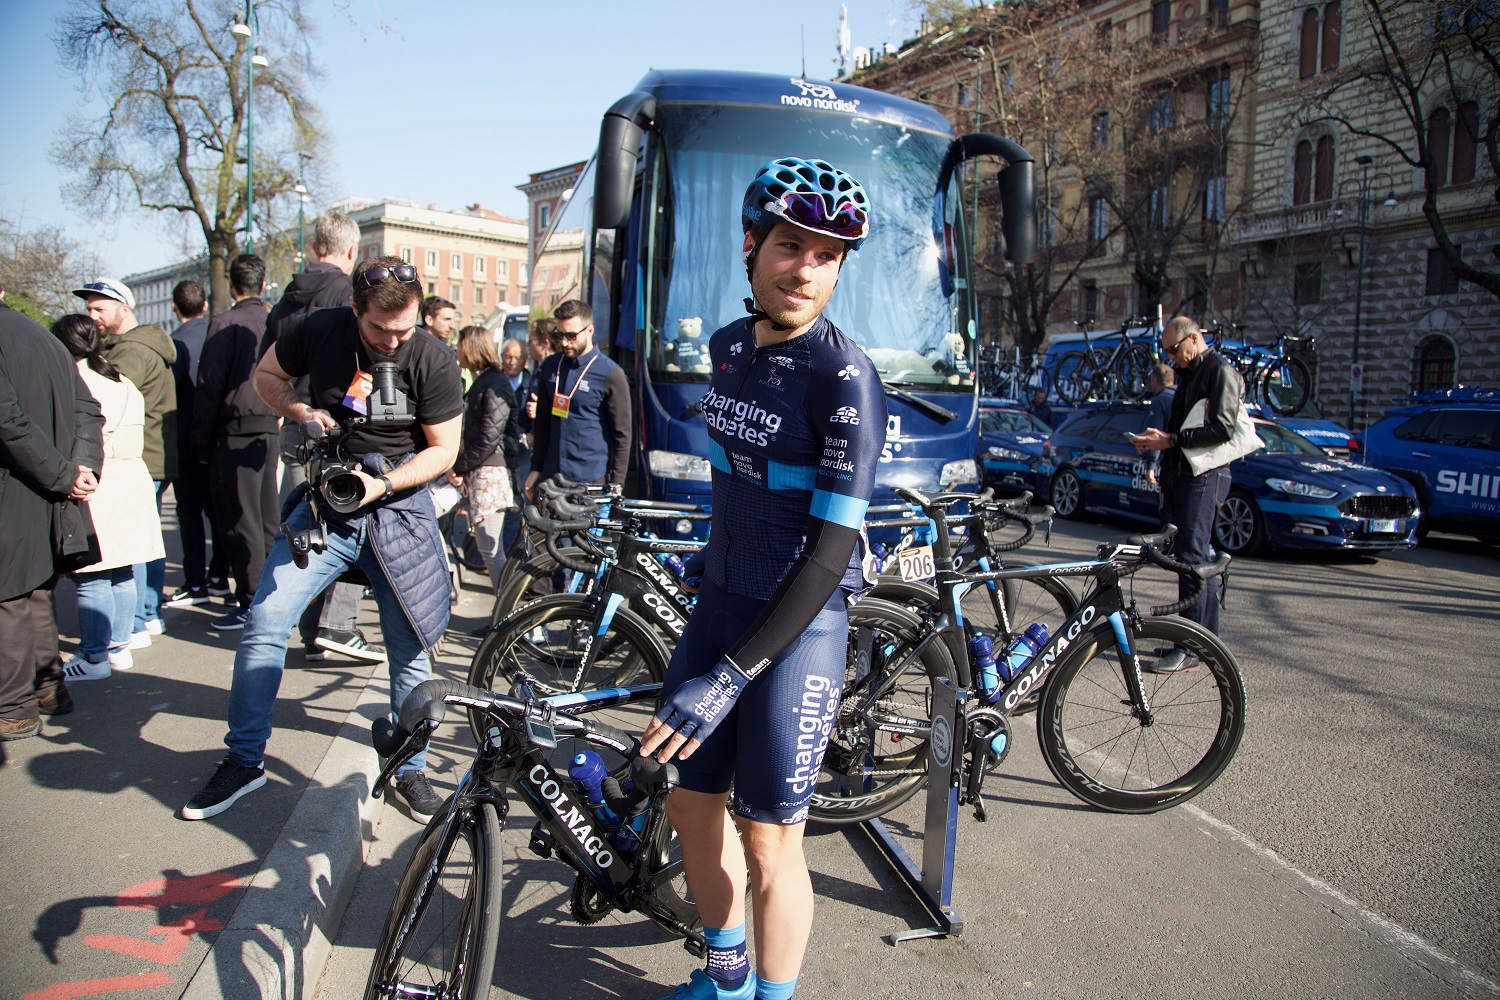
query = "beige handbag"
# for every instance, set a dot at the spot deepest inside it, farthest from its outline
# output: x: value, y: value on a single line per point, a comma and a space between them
x: 1242, y: 442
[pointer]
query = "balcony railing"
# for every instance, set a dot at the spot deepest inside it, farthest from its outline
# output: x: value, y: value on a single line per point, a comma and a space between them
x: 1283, y: 222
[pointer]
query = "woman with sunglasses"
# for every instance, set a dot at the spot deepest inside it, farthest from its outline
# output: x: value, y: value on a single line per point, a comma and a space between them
x: 796, y: 420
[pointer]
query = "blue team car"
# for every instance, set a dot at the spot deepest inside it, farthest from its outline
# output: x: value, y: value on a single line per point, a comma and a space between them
x: 1010, y: 448
x: 1445, y: 443
x: 1291, y: 494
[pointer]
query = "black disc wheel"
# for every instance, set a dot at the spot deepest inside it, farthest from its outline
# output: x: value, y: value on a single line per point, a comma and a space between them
x: 1286, y: 386
x: 1067, y: 494
x: 877, y: 753
x: 1239, y: 528
x: 553, y: 641
x: 1111, y: 754
x: 440, y: 937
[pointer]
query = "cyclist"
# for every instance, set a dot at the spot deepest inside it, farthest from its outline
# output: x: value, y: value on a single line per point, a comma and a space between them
x: 796, y: 417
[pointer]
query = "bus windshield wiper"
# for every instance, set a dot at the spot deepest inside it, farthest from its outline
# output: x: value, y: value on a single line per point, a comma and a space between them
x: 927, y: 406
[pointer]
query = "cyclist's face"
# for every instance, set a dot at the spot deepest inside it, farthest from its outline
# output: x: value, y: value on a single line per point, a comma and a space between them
x: 795, y: 273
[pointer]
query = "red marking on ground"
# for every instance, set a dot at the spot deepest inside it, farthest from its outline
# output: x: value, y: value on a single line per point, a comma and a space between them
x: 93, y: 987
x: 166, y: 952
x: 186, y: 889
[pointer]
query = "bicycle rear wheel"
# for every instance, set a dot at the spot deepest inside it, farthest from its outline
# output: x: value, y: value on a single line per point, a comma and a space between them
x: 1286, y: 385
x: 444, y: 924
x: 877, y: 753
x: 1099, y: 747
x: 1075, y: 376
x: 1133, y: 371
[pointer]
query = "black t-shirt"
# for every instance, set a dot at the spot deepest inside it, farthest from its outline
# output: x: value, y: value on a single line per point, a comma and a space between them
x: 326, y: 347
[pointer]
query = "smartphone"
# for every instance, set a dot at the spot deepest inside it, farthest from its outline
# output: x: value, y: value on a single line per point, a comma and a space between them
x: 1132, y: 435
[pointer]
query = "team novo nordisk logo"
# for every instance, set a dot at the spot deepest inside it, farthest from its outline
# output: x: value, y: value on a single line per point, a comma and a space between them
x: 845, y: 415
x: 736, y: 347
x: 848, y: 372
x: 816, y: 95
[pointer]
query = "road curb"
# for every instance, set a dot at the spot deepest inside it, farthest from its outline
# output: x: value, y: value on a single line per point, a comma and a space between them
x: 279, y: 939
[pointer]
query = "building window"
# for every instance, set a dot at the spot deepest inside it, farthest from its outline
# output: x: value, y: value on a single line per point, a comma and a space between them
x: 1088, y: 302
x: 1161, y: 16
x: 432, y: 288
x: 1106, y: 30
x: 965, y: 96
x: 432, y: 260
x: 502, y: 268
x: 1435, y: 364
x: 1195, y: 287
x: 1312, y: 171
x: 1046, y: 228
x: 1101, y: 130
x: 371, y: 252
x: 1218, y: 13
x: 1098, y: 218
x: 1307, y: 286
x: 543, y: 216
x: 1318, y: 39
x: 406, y: 254
x: 1216, y: 103
x: 1160, y: 207
x: 1213, y: 199
x: 456, y: 262
x: 455, y: 293
x: 478, y: 266
x: 525, y: 274
x: 1453, y: 144
x: 479, y: 295
x: 1159, y: 115
x: 1441, y: 279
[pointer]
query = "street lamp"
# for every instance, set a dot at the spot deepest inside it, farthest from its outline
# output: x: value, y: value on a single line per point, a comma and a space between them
x: 302, y: 200
x: 241, y: 31
x: 1356, y: 374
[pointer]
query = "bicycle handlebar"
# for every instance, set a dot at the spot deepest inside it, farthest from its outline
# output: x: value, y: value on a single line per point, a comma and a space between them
x: 1200, y: 574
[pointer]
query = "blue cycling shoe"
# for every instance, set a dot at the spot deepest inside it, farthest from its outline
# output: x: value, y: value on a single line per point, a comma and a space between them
x: 700, y: 987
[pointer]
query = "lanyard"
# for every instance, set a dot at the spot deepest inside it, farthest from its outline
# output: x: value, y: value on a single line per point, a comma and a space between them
x: 562, y: 403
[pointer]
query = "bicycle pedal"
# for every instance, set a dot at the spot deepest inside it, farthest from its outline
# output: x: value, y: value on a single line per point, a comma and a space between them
x: 541, y: 842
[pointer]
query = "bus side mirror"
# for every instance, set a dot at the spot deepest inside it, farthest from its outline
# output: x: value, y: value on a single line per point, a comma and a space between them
x: 1017, y: 188
x: 620, y: 137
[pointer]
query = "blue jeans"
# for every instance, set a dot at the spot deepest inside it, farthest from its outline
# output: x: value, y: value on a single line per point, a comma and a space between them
x: 281, y: 596
x: 150, y: 578
x: 106, y: 610
x: 1192, y: 502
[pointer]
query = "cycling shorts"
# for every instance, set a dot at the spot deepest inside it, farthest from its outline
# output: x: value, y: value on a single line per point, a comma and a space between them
x: 770, y: 747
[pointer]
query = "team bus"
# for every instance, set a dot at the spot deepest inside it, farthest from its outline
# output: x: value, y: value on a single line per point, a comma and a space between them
x: 650, y: 237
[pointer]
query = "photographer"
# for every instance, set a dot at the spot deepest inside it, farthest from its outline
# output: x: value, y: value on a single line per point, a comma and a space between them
x: 398, y: 439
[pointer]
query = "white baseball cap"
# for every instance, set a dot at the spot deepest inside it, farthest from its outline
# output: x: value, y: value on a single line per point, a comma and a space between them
x: 110, y: 288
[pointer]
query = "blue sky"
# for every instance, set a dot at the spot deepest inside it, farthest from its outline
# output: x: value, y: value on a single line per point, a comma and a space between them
x: 495, y: 91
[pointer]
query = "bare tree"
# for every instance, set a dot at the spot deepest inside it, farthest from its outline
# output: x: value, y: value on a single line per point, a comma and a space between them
x: 1420, y: 51
x: 172, y: 77
x: 42, y: 266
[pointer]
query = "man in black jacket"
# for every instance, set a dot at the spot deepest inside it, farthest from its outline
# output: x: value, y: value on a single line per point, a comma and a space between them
x: 51, y: 449
x: 329, y: 623
x: 234, y: 431
x: 1192, y: 501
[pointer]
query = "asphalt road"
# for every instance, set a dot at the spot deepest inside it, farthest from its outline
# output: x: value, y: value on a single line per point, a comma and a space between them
x: 1349, y: 851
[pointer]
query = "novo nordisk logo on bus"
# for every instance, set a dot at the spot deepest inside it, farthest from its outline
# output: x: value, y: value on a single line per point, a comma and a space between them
x: 817, y: 95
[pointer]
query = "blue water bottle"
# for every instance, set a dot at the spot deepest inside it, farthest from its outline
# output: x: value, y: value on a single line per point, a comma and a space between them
x: 982, y: 654
x: 590, y: 775
x: 674, y: 563
x: 1019, y: 653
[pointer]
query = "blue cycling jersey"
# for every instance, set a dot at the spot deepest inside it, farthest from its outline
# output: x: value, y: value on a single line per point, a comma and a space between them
x: 795, y: 435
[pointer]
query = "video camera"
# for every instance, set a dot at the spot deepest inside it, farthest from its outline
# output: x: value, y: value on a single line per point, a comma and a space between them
x: 330, y: 467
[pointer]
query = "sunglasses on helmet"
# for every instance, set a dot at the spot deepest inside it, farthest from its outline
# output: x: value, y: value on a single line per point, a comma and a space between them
x: 380, y: 274
x: 810, y: 212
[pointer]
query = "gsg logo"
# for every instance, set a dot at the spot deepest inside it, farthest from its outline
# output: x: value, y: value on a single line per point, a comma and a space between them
x: 845, y: 415
x: 848, y: 372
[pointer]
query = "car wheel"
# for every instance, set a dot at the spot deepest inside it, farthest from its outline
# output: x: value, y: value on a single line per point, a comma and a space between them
x: 1067, y: 493
x: 1239, y: 528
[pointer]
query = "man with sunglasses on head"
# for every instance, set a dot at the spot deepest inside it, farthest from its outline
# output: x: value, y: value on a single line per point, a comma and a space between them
x: 392, y: 536
x: 796, y: 422
x: 1192, y: 501
x: 581, y: 430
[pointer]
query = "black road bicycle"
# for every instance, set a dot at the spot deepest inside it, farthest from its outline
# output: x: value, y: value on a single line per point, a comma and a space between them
x: 1123, y: 372
x: 440, y: 938
x: 1119, y: 738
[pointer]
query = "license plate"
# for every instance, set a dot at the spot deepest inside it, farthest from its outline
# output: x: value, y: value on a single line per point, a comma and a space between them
x: 1383, y: 527
x: 916, y: 563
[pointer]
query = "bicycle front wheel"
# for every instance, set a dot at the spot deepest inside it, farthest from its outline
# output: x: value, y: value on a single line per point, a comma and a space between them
x: 877, y: 753
x: 1075, y: 377
x: 1106, y: 752
x: 1133, y: 371
x: 1286, y: 385
x: 440, y: 937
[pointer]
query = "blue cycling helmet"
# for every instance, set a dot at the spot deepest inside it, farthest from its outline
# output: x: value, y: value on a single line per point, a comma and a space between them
x: 812, y: 194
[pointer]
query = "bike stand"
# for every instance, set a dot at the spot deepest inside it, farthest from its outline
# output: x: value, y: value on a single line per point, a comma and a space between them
x: 933, y: 882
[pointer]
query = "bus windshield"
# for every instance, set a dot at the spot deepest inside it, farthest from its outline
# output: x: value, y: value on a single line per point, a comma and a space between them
x: 890, y: 298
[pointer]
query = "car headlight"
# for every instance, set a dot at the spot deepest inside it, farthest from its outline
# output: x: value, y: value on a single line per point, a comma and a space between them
x: 962, y: 471
x: 1010, y: 454
x: 676, y: 465
x: 1297, y: 489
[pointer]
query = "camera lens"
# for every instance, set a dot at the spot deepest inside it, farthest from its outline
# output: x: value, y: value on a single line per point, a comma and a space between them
x: 383, y: 382
x: 343, y: 490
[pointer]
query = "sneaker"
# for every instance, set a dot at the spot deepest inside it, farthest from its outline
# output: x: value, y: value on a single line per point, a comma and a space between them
x: 229, y: 784
x: 139, y: 640
x: 79, y: 669
x: 351, y: 643
x: 421, y: 801
x: 233, y: 621
x: 218, y: 588
x: 156, y: 627
x: 120, y: 658
x: 313, y: 652
x: 187, y: 597
x: 1178, y: 661
x: 55, y: 702
x: 20, y: 729
x: 700, y: 987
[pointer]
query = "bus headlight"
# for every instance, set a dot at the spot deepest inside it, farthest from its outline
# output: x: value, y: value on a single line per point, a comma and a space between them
x: 676, y: 465
x: 962, y: 471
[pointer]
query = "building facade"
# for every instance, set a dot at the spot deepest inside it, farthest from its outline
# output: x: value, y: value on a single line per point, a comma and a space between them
x: 474, y: 257
x: 153, y: 290
x: 545, y: 194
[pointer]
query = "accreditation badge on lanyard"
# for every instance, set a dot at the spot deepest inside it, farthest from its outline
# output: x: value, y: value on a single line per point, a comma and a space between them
x: 562, y: 402
x: 357, y: 395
